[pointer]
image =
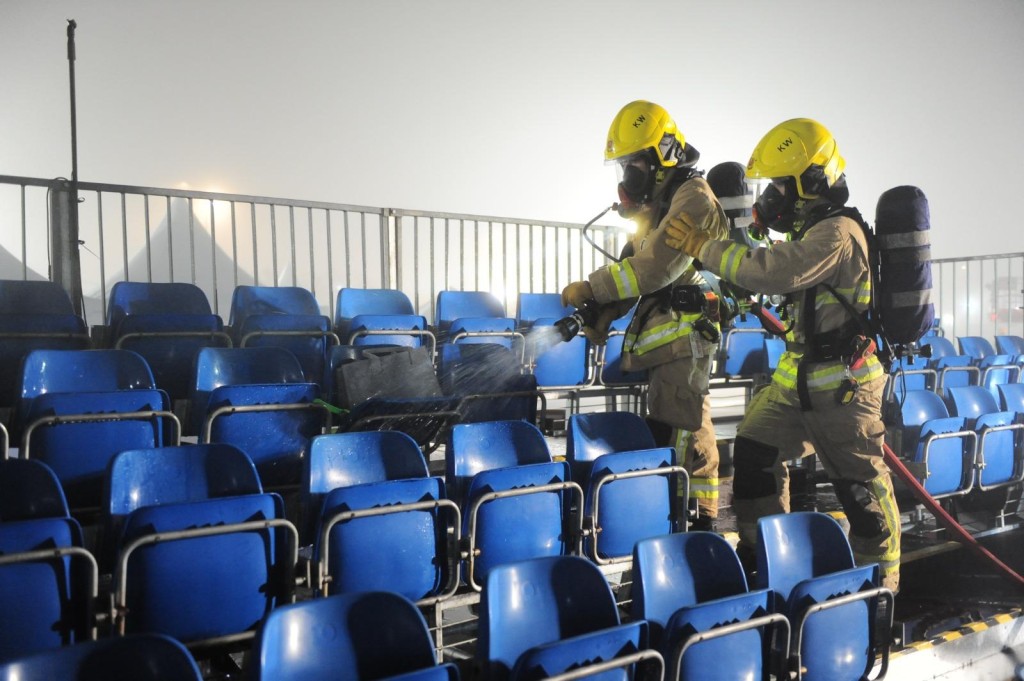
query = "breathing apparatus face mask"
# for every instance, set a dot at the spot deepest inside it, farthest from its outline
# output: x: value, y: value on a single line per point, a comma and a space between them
x: 777, y: 206
x: 637, y: 176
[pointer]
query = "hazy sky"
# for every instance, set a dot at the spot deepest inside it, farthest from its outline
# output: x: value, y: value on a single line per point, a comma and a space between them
x: 502, y: 108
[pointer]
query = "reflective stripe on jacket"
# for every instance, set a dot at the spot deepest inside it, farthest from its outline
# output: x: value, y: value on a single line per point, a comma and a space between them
x: 659, y: 334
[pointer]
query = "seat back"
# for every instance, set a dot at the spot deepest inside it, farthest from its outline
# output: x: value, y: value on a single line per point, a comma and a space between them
x: 45, y: 602
x: 376, y: 310
x: 217, y: 367
x: 405, y: 551
x: 611, y: 373
x: 940, y: 347
x: 246, y: 570
x: 1010, y: 345
x: 452, y: 305
x: 143, y: 657
x: 283, y: 316
x: 530, y: 603
x: 627, y: 509
x: 79, y: 450
x: 486, y: 445
x: 678, y: 570
x: 533, y: 306
x: 29, y: 490
x: 792, y: 547
x: 34, y: 315
x: 743, y: 352
x: 556, y: 363
x: 353, y: 458
x: 368, y: 635
x: 521, y: 525
x: 33, y: 297
x: 68, y: 371
x: 972, y: 401
x: 173, y: 475
x: 151, y: 298
x: 1012, y: 398
x: 166, y: 323
x: 273, y: 424
x: 598, y: 433
x: 977, y: 347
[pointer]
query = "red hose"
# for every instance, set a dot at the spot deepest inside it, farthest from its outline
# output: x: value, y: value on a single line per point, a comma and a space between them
x: 959, y: 533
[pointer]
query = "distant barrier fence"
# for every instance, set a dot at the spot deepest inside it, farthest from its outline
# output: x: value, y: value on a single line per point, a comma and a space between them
x: 219, y: 241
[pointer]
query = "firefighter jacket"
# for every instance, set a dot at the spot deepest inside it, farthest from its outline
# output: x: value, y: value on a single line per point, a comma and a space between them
x: 658, y: 334
x: 833, y: 251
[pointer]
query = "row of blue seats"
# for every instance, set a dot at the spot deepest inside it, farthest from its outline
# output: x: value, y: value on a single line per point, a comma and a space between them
x: 973, y: 361
x: 184, y: 525
x: 813, y: 615
x: 77, y: 408
x: 168, y: 322
x: 967, y: 442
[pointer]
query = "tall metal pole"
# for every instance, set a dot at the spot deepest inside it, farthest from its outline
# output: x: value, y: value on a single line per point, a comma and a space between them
x: 65, y: 265
x: 74, y: 117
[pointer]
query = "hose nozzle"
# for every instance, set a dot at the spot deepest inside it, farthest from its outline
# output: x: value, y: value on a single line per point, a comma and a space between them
x: 586, y: 315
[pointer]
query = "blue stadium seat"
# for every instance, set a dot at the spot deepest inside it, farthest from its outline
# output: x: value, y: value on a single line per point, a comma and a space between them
x: 998, y: 370
x: 165, y: 475
x: 398, y: 535
x: 516, y: 503
x: 692, y: 584
x: 940, y: 347
x: 486, y: 445
x: 805, y: 558
x: 611, y: 374
x: 81, y: 407
x: 34, y: 315
x: 976, y: 347
x: 595, y: 434
x: 956, y: 371
x: 940, y: 448
x: 742, y: 354
x: 257, y: 400
x: 557, y: 364
x: 48, y: 583
x: 287, y: 317
x: 166, y: 323
x: 1011, y: 398
x: 29, y: 490
x: 629, y: 485
x: 379, y: 317
x: 1000, y: 448
x: 367, y: 635
x: 907, y: 375
x: 1010, y: 345
x: 175, y: 560
x: 542, y: 617
x: 353, y: 458
x: 144, y: 657
x: 473, y: 317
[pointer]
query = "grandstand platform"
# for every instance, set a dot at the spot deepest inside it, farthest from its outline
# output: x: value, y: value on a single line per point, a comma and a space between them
x: 955, y: 616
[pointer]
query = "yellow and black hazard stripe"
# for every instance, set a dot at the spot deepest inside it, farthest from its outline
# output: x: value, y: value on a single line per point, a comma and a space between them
x: 965, y: 630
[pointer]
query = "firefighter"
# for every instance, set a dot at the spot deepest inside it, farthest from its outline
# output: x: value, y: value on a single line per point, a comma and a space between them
x: 826, y: 394
x: 675, y: 343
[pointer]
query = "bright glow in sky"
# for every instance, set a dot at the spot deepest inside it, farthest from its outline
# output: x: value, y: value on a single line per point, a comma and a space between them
x: 502, y: 108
